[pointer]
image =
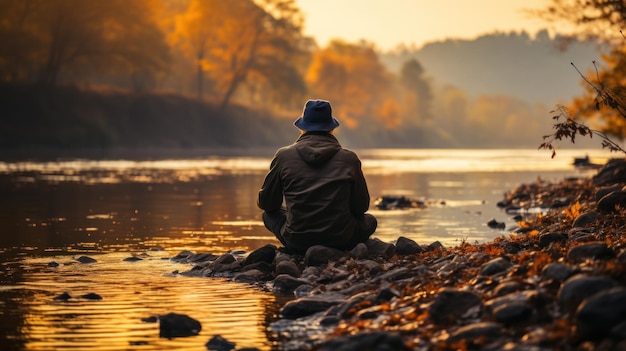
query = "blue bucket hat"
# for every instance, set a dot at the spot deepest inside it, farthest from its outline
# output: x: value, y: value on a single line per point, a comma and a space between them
x: 317, y: 117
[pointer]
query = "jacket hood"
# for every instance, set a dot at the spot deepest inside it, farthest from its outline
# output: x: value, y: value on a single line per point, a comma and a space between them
x: 317, y: 148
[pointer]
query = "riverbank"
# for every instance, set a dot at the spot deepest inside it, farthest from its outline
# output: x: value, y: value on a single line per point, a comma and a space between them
x: 557, y: 282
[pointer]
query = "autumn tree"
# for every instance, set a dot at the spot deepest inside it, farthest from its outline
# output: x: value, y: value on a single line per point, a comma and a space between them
x: 604, y: 84
x: 45, y: 39
x: 354, y: 79
x: 418, y: 95
x: 239, y: 42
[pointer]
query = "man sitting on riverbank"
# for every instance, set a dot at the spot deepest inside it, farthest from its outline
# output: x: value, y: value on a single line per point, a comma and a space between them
x: 322, y: 185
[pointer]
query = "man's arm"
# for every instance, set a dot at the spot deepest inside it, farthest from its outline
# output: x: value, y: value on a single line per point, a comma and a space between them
x: 360, y: 197
x: 271, y: 193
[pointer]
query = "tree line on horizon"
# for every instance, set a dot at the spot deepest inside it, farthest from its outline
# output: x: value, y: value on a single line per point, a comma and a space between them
x: 251, y: 53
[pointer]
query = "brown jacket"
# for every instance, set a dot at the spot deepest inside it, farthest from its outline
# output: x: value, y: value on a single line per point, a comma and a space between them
x: 323, y: 188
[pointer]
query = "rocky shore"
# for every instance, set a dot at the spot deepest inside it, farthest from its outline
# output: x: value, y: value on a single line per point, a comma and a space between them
x: 556, y: 282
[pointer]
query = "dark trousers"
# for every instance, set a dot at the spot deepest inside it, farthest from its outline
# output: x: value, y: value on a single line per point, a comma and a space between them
x: 275, y: 220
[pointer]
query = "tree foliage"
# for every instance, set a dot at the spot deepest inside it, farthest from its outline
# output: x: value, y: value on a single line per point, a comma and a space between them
x: 604, y: 100
x: 47, y: 40
x: 241, y: 42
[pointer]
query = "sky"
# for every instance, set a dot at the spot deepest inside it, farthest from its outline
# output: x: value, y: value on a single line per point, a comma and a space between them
x: 388, y: 23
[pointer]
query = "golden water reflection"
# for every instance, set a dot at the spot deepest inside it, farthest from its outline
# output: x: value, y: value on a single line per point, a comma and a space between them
x: 131, y: 291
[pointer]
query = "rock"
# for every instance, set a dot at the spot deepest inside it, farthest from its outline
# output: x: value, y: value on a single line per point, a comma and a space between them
x: 286, y: 284
x: 513, y: 313
x: 546, y: 239
x: 585, y: 219
x: 62, y: 297
x: 318, y: 255
x: 614, y: 171
x: 174, y: 325
x: 600, y: 313
x: 53, y: 264
x: 434, y: 246
x: 579, y: 287
x: 609, y: 202
x: 226, y: 258
x: 218, y: 343
x: 495, y: 266
x: 91, y: 296
x: 307, y: 306
x: 265, y: 254
x: 260, y: 266
x: 558, y: 271
x: 406, y: 246
x: 471, y: 332
x: 287, y: 267
x: 202, y: 257
x: 593, y: 250
x: 182, y: 256
x: 505, y: 288
x: 374, y: 341
x: 360, y: 251
x: 379, y: 248
x: 86, y: 259
x: 492, y: 223
x: 132, y: 259
x: 603, y: 191
x: 250, y: 276
x: 450, y: 305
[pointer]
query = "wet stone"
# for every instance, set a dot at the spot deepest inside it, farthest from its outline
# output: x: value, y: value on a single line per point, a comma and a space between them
x: 378, y: 340
x: 593, y: 250
x: 307, y: 306
x: 600, y: 313
x: 62, y: 297
x: 286, y: 284
x: 495, y: 266
x: 585, y: 219
x: 603, y: 191
x: 318, y: 255
x: 86, y: 259
x: 483, y: 330
x: 508, y: 287
x: 558, y: 271
x: 610, y: 202
x: 287, y: 267
x: 579, y: 287
x: 360, y: 251
x: 451, y: 304
x: 250, y: 276
x: 406, y: 246
x: 513, y: 313
x: 379, y: 248
x: 91, y: 296
x: 546, y: 239
x: 174, y: 325
x: 265, y: 254
x: 218, y: 343
x: 182, y: 256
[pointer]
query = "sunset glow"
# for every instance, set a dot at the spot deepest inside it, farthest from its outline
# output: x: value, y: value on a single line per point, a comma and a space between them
x: 392, y: 22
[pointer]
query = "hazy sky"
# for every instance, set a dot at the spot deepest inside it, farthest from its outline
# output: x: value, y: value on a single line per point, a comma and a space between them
x: 388, y: 23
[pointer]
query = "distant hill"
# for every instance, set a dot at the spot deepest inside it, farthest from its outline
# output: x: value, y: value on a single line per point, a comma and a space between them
x: 515, y: 64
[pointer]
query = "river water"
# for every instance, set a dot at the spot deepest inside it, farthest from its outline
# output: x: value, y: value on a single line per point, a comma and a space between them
x: 111, y: 209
